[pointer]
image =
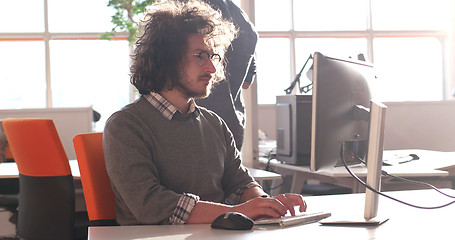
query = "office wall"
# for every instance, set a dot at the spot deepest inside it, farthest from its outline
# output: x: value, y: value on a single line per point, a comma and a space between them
x: 422, y: 125
x: 267, y: 120
x: 449, y: 69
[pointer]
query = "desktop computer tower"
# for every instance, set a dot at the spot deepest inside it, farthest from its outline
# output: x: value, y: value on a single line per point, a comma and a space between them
x: 293, y: 129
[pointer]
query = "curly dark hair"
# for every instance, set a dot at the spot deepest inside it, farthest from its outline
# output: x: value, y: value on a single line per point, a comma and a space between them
x: 159, y: 53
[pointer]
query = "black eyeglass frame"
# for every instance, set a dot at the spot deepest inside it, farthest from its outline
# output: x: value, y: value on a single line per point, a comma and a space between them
x: 204, y: 56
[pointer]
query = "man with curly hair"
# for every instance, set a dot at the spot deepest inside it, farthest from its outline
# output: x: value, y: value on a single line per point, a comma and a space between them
x: 169, y: 160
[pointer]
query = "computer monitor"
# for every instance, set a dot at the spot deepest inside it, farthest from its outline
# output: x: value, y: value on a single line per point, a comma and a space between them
x: 340, y: 93
x: 347, y: 123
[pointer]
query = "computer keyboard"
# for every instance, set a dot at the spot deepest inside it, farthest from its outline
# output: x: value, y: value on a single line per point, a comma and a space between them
x: 301, y: 218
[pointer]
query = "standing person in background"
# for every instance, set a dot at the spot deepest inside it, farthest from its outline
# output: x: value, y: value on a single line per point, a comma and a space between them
x: 226, y: 98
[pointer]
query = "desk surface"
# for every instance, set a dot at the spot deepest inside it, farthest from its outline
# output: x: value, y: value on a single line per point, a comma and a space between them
x: 9, y: 170
x: 260, y: 175
x: 405, y: 222
x: 434, y: 167
x: 431, y: 163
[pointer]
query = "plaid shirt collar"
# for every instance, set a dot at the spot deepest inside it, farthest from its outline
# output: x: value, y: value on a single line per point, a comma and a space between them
x: 165, y: 107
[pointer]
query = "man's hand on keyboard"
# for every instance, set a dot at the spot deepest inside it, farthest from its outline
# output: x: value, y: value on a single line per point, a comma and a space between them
x: 271, y: 207
x: 290, y: 200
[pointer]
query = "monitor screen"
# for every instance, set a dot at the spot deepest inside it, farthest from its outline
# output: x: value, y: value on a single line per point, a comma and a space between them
x: 340, y: 91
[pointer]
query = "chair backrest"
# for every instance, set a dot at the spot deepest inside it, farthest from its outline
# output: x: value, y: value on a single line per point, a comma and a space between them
x: 99, y: 198
x: 36, y: 147
x: 46, y: 183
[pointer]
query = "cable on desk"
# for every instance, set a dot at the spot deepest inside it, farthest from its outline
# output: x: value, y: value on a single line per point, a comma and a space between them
x: 380, y: 193
x: 407, y: 180
x: 269, y: 156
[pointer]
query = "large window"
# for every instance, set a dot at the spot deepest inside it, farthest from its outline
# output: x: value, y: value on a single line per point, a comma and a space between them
x: 50, y: 56
x: 407, y: 43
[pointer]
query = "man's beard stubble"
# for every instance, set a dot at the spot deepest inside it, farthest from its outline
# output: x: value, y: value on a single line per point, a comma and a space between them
x: 196, y: 94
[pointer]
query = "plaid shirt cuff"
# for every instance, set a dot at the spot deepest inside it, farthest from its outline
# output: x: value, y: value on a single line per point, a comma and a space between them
x: 234, y: 198
x: 184, y: 207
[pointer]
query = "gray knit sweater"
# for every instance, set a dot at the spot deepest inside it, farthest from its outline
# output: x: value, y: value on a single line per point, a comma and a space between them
x: 152, y: 161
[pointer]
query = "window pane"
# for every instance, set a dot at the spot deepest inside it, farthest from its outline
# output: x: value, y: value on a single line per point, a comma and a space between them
x: 330, y: 15
x: 271, y: 16
x: 406, y: 74
x: 333, y: 47
x: 79, y: 16
x: 90, y: 73
x: 410, y: 14
x: 273, y: 74
x: 22, y: 75
x: 14, y: 17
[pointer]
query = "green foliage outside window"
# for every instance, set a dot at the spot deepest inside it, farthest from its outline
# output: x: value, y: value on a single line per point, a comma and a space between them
x: 126, y: 17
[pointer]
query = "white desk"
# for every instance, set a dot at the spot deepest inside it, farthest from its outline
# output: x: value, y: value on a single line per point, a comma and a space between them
x: 433, y: 166
x: 262, y: 175
x: 9, y: 170
x: 405, y: 222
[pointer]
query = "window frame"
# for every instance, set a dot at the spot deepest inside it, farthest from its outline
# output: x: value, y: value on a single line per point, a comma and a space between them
x: 47, y: 36
x: 448, y: 81
x: 448, y: 75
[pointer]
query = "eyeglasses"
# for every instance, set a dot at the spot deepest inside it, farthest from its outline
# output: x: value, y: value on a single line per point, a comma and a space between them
x: 204, y: 57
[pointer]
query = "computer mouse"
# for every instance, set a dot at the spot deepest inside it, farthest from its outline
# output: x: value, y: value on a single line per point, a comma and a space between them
x: 233, y: 221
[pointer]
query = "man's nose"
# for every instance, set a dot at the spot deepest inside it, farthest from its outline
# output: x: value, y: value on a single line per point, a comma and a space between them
x: 210, y: 67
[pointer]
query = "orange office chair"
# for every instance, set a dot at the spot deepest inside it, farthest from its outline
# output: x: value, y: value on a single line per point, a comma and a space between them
x: 99, y: 197
x: 46, y: 192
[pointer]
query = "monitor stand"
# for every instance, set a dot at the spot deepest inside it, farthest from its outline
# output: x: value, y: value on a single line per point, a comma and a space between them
x: 374, y: 167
